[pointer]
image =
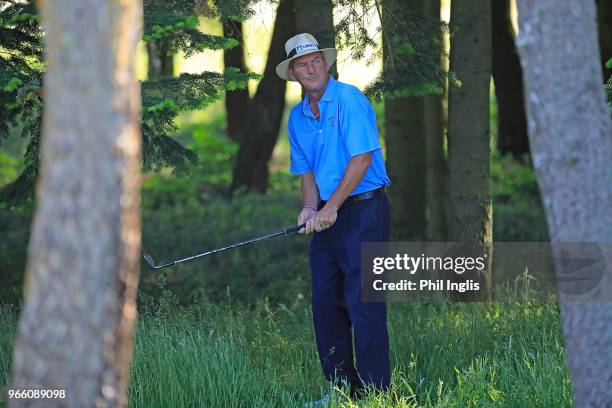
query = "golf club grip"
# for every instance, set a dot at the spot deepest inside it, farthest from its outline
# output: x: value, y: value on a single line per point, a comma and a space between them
x: 294, y: 229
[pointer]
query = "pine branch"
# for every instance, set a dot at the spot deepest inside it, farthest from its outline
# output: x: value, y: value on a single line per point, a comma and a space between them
x: 172, y: 22
x: 413, y: 46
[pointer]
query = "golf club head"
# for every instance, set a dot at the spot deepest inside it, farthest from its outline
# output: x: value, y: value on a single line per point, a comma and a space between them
x: 149, y: 260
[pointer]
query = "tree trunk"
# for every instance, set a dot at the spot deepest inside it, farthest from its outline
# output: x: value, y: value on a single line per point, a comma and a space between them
x: 160, y: 62
x: 75, y: 330
x: 511, y: 120
x: 436, y: 162
x: 405, y: 140
x: 236, y: 102
x: 469, y: 210
x: 604, y: 22
x: 266, y: 110
x: 317, y: 18
x: 570, y: 134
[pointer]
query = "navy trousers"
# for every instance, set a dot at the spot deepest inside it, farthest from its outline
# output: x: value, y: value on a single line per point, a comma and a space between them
x: 335, y: 262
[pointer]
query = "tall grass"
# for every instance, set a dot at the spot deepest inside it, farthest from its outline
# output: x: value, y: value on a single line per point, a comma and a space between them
x: 8, y: 323
x: 443, y: 355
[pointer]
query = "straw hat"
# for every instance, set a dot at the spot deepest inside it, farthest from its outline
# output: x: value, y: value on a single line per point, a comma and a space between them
x: 303, y: 44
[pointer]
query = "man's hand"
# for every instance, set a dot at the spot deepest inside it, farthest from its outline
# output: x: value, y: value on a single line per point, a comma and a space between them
x: 306, y: 216
x: 325, y: 218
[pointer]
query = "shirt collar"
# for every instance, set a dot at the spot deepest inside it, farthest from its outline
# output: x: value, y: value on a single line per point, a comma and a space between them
x: 328, y: 96
x: 330, y: 89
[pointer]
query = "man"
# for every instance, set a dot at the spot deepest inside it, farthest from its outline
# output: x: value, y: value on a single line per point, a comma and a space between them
x: 335, y: 148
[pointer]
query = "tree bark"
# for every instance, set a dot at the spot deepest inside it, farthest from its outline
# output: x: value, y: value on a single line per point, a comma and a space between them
x: 405, y: 139
x: 604, y: 23
x: 508, y: 77
x: 469, y: 210
x: 317, y: 18
x: 160, y: 62
x: 75, y: 330
x: 266, y: 110
x: 570, y: 135
x: 236, y: 102
x: 435, y: 123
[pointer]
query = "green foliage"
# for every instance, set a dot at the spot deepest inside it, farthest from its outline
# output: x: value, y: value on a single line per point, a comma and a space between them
x: 173, y: 23
x: 21, y: 62
x: 234, y: 10
x: 159, y: 32
x: 351, y: 32
x: 184, y: 36
x: 186, y: 215
x: 274, y: 268
x: 15, y: 233
x: 191, y: 91
x: 412, y: 50
x: 164, y: 99
x: 235, y: 80
x: 518, y: 214
x: 8, y: 165
x: 415, y: 90
x: 13, y: 84
x: 199, y: 216
x: 8, y: 328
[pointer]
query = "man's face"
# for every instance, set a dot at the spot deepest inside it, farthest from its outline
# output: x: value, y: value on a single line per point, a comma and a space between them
x: 310, y: 71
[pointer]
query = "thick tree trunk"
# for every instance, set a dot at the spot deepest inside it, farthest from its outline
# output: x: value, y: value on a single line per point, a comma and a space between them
x: 75, y: 330
x: 266, y: 110
x: 436, y: 163
x: 469, y: 210
x: 160, y: 62
x: 317, y: 18
x: 508, y: 77
x: 570, y: 134
x: 236, y: 102
x: 604, y: 22
x: 405, y: 140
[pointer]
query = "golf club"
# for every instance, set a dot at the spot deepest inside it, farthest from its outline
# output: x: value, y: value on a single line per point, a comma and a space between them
x: 285, y: 231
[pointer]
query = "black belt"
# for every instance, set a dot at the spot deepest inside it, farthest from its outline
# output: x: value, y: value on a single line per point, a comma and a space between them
x: 354, y: 199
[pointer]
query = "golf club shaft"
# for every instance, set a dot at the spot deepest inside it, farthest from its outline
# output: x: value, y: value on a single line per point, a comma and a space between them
x: 281, y: 232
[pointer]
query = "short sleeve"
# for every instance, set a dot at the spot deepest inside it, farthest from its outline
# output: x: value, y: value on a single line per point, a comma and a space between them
x: 358, y: 123
x: 298, y: 161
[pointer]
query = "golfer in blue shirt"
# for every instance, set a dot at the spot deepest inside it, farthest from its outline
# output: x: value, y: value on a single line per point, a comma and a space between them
x: 335, y: 148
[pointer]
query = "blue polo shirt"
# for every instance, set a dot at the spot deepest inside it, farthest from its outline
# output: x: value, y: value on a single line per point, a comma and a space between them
x: 347, y: 128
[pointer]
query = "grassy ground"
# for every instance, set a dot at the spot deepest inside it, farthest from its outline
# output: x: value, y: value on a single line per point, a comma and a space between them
x: 233, y: 349
x: 461, y: 355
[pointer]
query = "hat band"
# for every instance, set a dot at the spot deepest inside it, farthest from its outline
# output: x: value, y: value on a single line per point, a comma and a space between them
x: 303, y: 47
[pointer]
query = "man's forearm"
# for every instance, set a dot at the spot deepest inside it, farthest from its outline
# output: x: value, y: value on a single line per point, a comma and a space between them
x: 310, y: 191
x: 353, y: 175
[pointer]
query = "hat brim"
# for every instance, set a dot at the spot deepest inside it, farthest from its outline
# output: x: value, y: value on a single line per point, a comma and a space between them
x: 329, y: 54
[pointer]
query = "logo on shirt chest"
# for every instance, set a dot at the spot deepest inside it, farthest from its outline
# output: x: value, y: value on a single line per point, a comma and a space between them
x: 330, y: 121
